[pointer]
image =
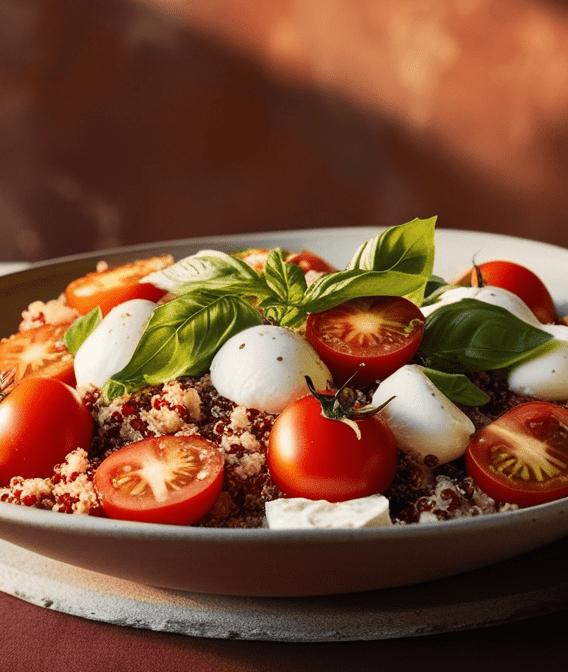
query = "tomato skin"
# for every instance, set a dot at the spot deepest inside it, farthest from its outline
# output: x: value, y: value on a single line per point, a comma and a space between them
x: 393, y: 342
x: 314, y: 457
x: 115, y: 285
x: 522, y: 282
x: 41, y: 421
x: 36, y: 352
x: 309, y: 261
x: 184, y: 504
x: 530, y: 436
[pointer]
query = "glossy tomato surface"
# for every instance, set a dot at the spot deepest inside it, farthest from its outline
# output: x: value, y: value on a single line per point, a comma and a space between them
x: 36, y: 352
x: 309, y: 261
x: 314, y: 457
x: 171, y: 479
x: 370, y: 336
x: 112, y: 286
x: 41, y: 421
x: 522, y: 282
x: 522, y: 457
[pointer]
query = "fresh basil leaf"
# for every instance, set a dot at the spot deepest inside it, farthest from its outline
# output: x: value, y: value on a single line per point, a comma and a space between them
x: 332, y: 289
x: 457, y: 387
x: 181, y: 338
x: 287, y: 284
x: 75, y: 336
x: 408, y: 249
x: 286, y: 281
x: 209, y: 270
x: 472, y: 335
x: 434, y: 288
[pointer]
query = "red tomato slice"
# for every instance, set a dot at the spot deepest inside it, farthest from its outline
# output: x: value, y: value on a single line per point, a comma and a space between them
x: 519, y: 280
x: 116, y: 285
x: 315, y: 457
x: 308, y: 261
x: 522, y: 457
x: 41, y: 421
x: 36, y: 352
x: 170, y: 479
x: 370, y: 336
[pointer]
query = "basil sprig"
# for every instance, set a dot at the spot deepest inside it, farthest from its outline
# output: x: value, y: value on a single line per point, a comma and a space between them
x: 219, y: 295
x: 471, y: 335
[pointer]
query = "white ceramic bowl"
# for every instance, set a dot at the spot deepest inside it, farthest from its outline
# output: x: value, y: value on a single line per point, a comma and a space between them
x: 265, y: 562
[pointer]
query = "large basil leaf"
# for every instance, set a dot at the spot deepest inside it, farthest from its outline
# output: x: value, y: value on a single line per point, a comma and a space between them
x: 210, y: 270
x: 331, y: 290
x: 181, y: 338
x: 407, y: 249
x: 472, y: 335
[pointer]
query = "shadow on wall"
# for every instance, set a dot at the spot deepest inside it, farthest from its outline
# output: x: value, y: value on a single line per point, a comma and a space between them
x: 122, y: 124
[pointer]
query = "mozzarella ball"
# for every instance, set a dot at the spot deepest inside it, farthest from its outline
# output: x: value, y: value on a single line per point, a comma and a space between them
x: 495, y: 296
x: 546, y: 376
x: 264, y: 367
x: 299, y: 513
x: 109, y: 347
x: 422, y: 419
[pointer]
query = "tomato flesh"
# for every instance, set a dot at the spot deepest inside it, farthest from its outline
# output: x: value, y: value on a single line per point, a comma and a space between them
x: 520, y: 281
x: 522, y: 457
x: 36, y: 352
x: 371, y: 337
x: 315, y: 457
x: 171, y: 480
x: 41, y: 421
x: 113, y: 286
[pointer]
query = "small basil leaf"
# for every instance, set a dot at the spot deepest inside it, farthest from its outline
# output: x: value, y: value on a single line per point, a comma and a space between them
x: 457, y: 387
x: 408, y: 248
x: 75, y: 336
x: 181, y: 338
x: 209, y: 270
x: 434, y: 288
x: 286, y: 281
x: 332, y: 289
x: 471, y: 335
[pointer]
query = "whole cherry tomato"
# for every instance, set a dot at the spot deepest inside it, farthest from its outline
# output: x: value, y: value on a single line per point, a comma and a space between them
x: 371, y: 337
x: 522, y: 282
x: 312, y: 456
x: 110, y: 287
x: 41, y: 421
x: 170, y: 479
x: 309, y: 261
x: 522, y: 457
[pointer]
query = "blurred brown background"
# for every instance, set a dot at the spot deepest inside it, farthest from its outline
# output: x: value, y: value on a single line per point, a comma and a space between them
x: 125, y: 121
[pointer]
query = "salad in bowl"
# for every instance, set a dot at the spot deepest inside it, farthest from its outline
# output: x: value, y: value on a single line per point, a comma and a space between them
x: 265, y: 388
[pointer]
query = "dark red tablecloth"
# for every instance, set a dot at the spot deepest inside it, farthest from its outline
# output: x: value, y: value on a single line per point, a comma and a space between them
x: 37, y: 639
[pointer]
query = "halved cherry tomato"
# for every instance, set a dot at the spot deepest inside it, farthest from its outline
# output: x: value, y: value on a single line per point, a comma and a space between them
x: 522, y: 457
x: 110, y: 287
x: 315, y: 457
x: 36, y: 352
x: 369, y: 336
x: 519, y: 280
x: 308, y: 261
x: 170, y: 479
x: 41, y: 421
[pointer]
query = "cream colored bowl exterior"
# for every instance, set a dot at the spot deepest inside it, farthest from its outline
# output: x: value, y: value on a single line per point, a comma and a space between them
x: 284, y: 563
